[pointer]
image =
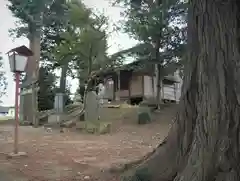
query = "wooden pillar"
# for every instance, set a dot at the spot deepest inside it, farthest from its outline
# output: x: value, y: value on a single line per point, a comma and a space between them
x: 143, y: 93
x: 114, y: 78
x: 117, y: 93
x: 129, y: 86
x: 175, y: 91
x: 21, y: 107
x: 162, y: 90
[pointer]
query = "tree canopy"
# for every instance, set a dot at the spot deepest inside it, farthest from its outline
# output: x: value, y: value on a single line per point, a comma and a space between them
x: 46, y: 90
x: 84, y: 43
x: 159, y: 26
x: 33, y: 14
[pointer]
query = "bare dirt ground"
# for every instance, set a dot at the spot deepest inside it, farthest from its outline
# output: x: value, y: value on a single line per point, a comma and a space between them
x: 54, y: 156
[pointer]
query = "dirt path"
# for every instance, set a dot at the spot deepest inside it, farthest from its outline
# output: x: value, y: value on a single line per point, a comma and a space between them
x: 76, y: 156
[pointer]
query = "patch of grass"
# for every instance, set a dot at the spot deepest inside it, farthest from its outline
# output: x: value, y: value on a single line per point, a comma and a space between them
x: 5, y: 118
x: 97, y: 127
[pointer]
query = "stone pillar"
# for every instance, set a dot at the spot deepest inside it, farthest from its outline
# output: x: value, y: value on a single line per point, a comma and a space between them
x: 59, y: 105
x: 59, y: 102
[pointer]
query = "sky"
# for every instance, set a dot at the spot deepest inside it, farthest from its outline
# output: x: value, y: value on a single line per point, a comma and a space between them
x: 117, y: 41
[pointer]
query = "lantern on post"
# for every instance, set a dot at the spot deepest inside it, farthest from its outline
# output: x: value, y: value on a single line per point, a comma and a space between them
x: 18, y: 61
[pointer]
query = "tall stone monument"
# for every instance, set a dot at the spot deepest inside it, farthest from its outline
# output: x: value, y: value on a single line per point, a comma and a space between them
x: 92, y: 107
x: 93, y: 124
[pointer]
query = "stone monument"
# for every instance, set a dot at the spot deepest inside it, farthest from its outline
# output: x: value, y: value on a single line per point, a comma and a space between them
x: 93, y: 124
x: 101, y: 93
x: 92, y: 107
x: 58, y: 107
x: 59, y: 102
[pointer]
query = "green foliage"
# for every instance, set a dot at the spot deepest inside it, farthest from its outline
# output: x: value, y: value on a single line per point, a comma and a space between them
x: 160, y: 28
x: 84, y: 43
x: 54, y: 25
x: 45, y: 18
x: 32, y: 14
x: 152, y: 20
x: 47, y: 88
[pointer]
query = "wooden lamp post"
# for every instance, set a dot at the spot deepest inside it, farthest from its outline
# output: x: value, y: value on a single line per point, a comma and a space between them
x: 18, y: 58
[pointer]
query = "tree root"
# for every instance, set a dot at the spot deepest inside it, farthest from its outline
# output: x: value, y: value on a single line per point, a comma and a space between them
x: 163, y: 164
x: 136, y: 163
x: 150, y: 165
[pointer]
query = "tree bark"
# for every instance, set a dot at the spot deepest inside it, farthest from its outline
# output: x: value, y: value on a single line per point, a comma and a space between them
x: 159, y: 65
x: 30, y: 101
x: 27, y: 98
x: 204, y: 141
x: 153, y: 79
x: 63, y: 77
x: 33, y: 66
x: 35, y: 75
x: 159, y: 82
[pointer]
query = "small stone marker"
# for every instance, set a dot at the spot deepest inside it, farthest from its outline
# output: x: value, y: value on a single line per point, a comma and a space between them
x: 59, y: 102
x: 144, y: 115
x: 92, y: 107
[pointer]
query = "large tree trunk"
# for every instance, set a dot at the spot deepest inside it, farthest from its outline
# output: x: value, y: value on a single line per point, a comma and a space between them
x: 159, y: 87
x: 33, y: 67
x: 30, y: 106
x: 27, y: 98
x: 159, y: 65
x: 37, y: 52
x: 204, y: 142
x: 153, y: 79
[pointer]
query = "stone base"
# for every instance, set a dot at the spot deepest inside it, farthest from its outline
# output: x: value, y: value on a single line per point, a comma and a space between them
x: 97, y: 127
x: 16, y: 155
x: 25, y: 123
x: 54, y: 119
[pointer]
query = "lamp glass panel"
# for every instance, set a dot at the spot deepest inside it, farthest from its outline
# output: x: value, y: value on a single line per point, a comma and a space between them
x: 21, y: 62
x: 11, y: 62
